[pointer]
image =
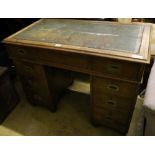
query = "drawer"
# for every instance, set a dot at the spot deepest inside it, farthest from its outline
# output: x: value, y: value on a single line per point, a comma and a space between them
x: 30, y: 82
x: 117, y: 68
x: 35, y: 90
x: 123, y: 128
x: 34, y: 84
x: 26, y: 68
x: 34, y: 97
x: 62, y: 58
x: 114, y: 87
x: 22, y: 52
x: 111, y: 115
x: 113, y: 102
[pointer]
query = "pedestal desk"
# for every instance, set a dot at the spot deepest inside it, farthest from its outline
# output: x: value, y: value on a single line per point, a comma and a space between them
x: 113, y: 54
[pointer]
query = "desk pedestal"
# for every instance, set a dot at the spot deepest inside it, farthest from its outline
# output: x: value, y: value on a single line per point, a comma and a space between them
x: 113, y: 103
x: 43, y: 85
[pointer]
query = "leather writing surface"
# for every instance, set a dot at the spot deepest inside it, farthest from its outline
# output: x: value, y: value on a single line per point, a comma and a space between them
x: 83, y: 33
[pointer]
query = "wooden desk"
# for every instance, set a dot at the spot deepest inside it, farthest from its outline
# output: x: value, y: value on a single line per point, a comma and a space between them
x: 113, y: 54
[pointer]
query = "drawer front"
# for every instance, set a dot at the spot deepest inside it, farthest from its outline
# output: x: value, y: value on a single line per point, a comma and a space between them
x: 26, y: 68
x: 22, y: 52
x: 31, y: 83
x: 117, y: 68
x: 34, y: 97
x: 65, y: 59
x: 113, y: 102
x: 121, y: 127
x: 114, y: 87
x: 35, y: 90
x: 111, y: 115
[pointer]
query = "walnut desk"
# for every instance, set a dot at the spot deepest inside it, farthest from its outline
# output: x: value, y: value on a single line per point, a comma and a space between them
x: 113, y: 54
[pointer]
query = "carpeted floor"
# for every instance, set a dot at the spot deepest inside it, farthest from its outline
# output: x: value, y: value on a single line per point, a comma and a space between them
x: 71, y: 119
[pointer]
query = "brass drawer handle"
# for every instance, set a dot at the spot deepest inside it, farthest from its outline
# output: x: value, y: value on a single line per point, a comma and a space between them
x: 28, y: 67
x: 113, y: 87
x: 21, y: 51
x: 113, y: 67
x: 111, y: 102
x: 108, y: 118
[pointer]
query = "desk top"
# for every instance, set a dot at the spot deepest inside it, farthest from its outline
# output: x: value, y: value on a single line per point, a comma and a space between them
x: 107, y: 39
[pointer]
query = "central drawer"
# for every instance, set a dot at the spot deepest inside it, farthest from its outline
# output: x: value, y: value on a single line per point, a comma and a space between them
x: 68, y: 59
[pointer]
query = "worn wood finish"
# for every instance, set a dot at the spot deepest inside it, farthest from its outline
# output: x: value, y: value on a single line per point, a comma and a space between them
x: 115, y: 76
